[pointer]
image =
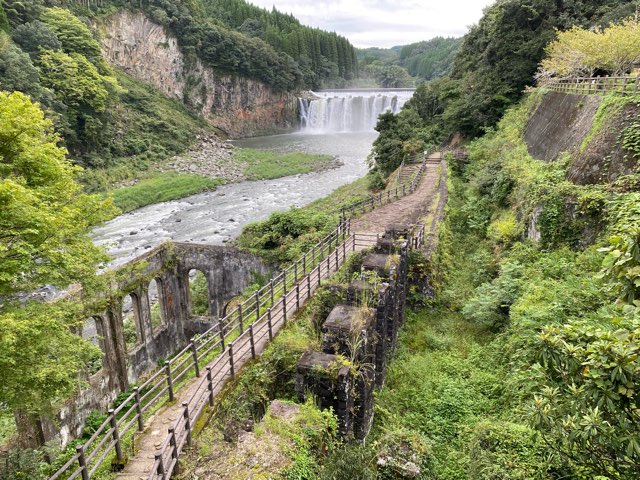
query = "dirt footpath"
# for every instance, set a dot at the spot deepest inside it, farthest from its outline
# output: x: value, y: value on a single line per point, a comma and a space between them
x: 418, y: 207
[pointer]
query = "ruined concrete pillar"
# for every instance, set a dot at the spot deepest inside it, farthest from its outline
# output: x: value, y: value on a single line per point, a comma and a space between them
x: 330, y: 380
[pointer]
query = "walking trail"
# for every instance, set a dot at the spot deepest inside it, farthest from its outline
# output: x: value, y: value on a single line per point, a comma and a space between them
x: 419, y: 206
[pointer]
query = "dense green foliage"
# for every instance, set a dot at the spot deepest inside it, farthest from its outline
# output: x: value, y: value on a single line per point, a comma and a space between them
x: 44, y: 219
x: 431, y: 59
x: 322, y: 58
x: 106, y: 118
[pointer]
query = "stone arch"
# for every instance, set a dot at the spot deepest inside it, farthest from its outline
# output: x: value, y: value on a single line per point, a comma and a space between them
x: 132, y: 327
x: 93, y: 331
x: 157, y: 303
x: 198, y: 293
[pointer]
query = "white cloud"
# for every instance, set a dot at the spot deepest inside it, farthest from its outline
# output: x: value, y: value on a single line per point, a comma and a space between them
x: 383, y: 23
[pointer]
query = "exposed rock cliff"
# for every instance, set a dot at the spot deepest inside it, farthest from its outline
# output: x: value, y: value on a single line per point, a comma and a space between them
x: 562, y: 122
x: 239, y: 106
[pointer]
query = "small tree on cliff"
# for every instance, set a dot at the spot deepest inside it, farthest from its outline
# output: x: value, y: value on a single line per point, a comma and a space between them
x: 579, y: 52
x: 44, y: 220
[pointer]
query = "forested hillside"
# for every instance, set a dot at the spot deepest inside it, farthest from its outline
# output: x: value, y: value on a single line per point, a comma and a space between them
x: 323, y: 58
x: 425, y: 60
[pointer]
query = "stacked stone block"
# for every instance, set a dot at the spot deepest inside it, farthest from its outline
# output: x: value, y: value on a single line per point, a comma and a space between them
x: 326, y: 377
x: 364, y: 330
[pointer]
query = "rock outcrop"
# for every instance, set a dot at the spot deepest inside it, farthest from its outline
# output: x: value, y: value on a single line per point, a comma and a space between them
x: 564, y: 123
x: 239, y: 106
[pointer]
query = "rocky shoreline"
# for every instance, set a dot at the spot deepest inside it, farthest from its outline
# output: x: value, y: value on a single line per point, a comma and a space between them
x: 212, y: 157
x: 209, y: 157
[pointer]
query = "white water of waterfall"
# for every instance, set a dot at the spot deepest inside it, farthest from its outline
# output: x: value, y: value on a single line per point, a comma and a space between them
x: 349, y: 110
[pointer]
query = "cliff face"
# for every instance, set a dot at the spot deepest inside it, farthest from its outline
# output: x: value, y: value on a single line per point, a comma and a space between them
x: 239, y: 106
x: 562, y: 122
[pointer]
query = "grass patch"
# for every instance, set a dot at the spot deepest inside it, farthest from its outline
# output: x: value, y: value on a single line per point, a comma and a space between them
x: 267, y: 164
x: 162, y: 188
x: 7, y: 427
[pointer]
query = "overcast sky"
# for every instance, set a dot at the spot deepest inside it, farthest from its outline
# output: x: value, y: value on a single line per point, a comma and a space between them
x: 384, y: 23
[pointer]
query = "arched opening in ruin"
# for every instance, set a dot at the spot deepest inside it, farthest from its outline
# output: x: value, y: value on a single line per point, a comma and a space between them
x: 198, y: 294
x: 131, y: 326
x: 157, y: 313
x: 93, y: 331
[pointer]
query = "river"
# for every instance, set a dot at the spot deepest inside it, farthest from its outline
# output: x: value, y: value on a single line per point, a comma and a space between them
x: 334, y: 122
x: 217, y: 217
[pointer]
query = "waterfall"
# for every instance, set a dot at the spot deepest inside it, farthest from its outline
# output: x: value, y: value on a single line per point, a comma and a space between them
x: 348, y: 110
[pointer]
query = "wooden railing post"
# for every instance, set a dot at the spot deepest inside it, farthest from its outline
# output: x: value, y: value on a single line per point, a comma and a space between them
x: 116, y: 436
x: 297, y: 296
x: 313, y: 257
x: 269, y: 324
x: 271, y: 291
x: 231, y: 365
x: 252, y: 342
x: 284, y: 308
x: 194, y: 353
x: 240, y: 319
x: 136, y: 390
x: 304, y: 264
x: 309, y: 286
x: 257, y: 306
x: 221, y: 334
x: 82, y: 462
x: 187, y: 422
x: 295, y: 272
x: 160, y: 471
x: 284, y: 282
x: 210, y: 386
x: 174, y: 448
x: 167, y: 367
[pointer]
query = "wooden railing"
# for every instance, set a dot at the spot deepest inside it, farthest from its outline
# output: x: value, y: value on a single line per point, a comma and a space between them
x: 626, y: 85
x: 216, y: 344
x: 387, y: 196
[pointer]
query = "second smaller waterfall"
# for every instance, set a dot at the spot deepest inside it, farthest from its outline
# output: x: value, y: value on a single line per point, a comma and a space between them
x: 349, y: 110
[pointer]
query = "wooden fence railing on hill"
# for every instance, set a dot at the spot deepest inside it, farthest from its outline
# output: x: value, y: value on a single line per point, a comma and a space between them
x: 387, y: 196
x: 129, y: 416
x: 626, y: 85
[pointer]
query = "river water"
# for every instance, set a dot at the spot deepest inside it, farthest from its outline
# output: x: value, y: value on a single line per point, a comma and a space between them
x: 217, y: 217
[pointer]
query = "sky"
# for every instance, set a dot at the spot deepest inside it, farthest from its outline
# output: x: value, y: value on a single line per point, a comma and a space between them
x: 384, y: 23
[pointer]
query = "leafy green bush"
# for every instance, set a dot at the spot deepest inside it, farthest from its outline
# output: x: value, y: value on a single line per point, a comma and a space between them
x: 496, y: 447
x: 284, y: 236
x: 491, y: 304
x: 404, y: 454
x: 23, y: 464
x: 586, y: 407
x: 199, y: 294
x: 376, y: 181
